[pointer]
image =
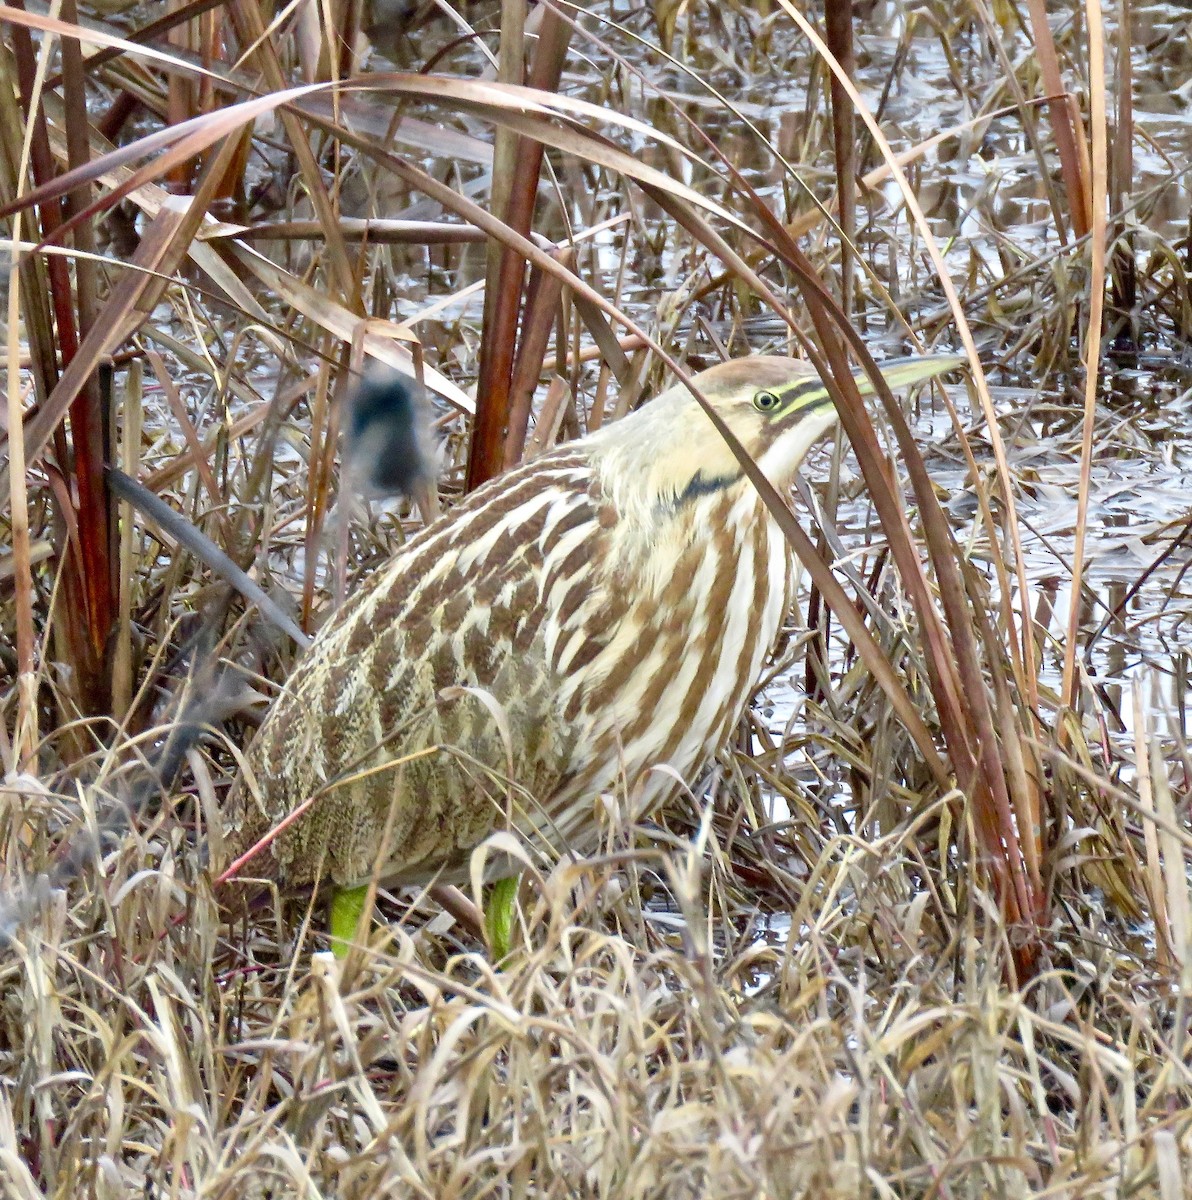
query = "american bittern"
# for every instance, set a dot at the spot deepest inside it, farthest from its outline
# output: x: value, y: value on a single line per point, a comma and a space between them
x: 590, y: 615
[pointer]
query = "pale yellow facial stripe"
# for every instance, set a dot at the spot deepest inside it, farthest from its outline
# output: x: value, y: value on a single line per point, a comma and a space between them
x: 799, y: 395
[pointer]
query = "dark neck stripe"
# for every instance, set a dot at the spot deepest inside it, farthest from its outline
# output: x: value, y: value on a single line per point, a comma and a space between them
x: 703, y: 485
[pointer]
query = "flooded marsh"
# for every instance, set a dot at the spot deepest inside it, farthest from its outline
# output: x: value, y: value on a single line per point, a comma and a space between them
x: 922, y: 927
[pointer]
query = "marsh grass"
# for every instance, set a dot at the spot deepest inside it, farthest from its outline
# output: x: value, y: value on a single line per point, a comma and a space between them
x: 924, y: 930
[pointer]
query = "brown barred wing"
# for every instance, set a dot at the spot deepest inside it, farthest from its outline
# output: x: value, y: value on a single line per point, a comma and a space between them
x: 416, y: 700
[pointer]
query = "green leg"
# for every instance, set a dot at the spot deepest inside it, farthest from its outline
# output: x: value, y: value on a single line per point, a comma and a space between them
x: 498, y: 915
x: 346, y: 906
x: 348, y: 903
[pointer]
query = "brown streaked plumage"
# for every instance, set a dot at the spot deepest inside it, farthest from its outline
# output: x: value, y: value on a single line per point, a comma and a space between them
x: 601, y: 611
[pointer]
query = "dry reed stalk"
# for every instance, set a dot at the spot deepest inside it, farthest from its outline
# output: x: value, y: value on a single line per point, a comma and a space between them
x: 1098, y: 118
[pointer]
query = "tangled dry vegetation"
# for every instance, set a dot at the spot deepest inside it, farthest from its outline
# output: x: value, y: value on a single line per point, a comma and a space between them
x: 830, y: 970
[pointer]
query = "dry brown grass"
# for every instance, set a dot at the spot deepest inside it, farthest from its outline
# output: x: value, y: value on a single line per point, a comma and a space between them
x: 680, y: 1045
x: 799, y: 982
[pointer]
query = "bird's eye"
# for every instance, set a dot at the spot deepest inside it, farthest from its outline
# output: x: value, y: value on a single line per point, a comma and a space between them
x: 766, y: 402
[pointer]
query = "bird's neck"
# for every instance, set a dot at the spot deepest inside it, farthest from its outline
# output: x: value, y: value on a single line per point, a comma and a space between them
x: 651, y: 476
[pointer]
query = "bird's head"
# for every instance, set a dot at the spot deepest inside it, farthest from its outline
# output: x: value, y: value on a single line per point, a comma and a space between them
x: 669, y: 454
